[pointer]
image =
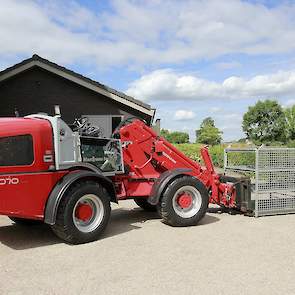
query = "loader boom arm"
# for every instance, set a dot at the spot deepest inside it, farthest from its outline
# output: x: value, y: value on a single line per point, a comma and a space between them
x: 147, y: 156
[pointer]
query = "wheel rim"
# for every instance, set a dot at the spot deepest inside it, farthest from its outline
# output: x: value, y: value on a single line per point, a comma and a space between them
x: 187, y: 201
x: 88, y: 213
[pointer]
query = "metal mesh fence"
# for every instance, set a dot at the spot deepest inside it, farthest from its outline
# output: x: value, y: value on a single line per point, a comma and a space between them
x: 272, y: 173
x: 276, y: 180
x: 276, y: 158
x: 276, y: 203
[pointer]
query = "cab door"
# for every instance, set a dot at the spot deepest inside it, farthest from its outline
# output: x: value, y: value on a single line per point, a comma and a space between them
x: 25, y: 176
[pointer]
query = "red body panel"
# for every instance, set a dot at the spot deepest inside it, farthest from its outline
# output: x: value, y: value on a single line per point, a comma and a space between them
x: 42, y: 141
x: 26, y: 195
x: 24, y: 189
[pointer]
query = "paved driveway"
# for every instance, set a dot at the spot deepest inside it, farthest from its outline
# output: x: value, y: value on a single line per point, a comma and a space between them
x: 140, y: 255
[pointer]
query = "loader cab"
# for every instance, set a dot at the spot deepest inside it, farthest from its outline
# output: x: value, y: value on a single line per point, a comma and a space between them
x: 73, y: 150
x: 66, y: 143
x: 25, y: 145
x: 45, y: 143
x: 27, y: 166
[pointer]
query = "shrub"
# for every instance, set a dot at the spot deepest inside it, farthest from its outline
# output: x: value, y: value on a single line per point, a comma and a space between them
x: 176, y: 137
x: 193, y: 151
x: 217, y: 154
x: 291, y: 144
x: 190, y: 150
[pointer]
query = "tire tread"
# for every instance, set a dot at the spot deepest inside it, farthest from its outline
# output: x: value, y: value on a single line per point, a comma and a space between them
x: 60, y: 228
x: 165, y: 208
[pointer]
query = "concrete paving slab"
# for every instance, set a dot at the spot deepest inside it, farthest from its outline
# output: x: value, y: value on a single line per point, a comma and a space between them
x: 139, y: 254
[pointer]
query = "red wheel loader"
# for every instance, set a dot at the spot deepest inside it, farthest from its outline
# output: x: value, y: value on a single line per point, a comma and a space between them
x: 68, y: 177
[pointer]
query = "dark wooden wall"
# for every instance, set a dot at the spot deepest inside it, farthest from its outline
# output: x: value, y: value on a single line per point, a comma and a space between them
x: 38, y: 90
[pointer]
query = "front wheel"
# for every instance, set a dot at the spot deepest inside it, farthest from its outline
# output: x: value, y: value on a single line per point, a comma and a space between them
x: 184, y: 202
x: 83, y: 213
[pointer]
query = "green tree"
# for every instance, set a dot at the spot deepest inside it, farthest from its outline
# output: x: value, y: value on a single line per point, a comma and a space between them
x: 178, y: 137
x: 208, y: 133
x: 164, y: 133
x: 265, y: 122
x: 208, y: 122
x: 290, y: 123
x: 175, y: 136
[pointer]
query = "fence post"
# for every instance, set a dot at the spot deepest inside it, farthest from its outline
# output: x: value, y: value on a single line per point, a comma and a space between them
x: 225, y: 161
x: 256, y: 180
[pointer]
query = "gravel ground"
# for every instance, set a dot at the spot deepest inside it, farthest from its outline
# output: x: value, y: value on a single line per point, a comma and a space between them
x: 140, y: 255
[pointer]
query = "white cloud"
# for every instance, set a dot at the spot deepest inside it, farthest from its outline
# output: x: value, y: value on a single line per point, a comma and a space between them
x: 168, y: 85
x: 144, y: 33
x: 184, y: 115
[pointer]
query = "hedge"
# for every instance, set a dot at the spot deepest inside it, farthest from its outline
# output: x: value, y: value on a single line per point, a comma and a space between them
x: 193, y: 152
x: 217, y: 154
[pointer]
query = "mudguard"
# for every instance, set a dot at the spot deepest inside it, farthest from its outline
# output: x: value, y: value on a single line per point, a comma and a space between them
x: 161, y: 183
x: 62, y: 186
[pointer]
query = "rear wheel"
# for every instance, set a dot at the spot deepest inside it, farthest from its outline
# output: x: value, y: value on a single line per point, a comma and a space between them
x: 83, y: 213
x: 184, y: 202
x: 24, y: 221
x: 145, y: 205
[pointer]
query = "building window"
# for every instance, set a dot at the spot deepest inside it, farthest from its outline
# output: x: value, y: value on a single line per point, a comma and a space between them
x: 16, y: 150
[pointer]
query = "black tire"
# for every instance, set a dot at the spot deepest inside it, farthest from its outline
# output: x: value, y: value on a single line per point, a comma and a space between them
x: 145, y: 205
x: 166, y: 207
x: 65, y: 227
x: 24, y: 221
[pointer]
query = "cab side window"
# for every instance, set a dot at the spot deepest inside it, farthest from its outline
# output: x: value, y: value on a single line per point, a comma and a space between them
x: 16, y: 150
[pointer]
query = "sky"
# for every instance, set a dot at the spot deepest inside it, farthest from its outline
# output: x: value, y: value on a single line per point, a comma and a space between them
x: 187, y: 59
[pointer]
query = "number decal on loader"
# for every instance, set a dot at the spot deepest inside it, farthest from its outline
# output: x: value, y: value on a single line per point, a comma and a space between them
x: 9, y: 181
